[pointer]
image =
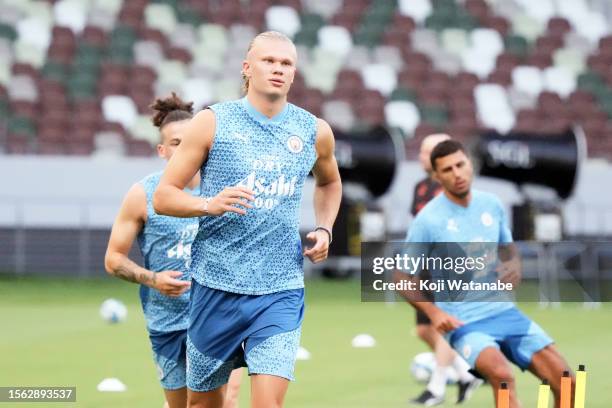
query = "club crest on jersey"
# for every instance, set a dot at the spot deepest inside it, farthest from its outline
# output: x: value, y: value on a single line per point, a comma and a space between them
x: 486, y: 219
x: 295, y: 144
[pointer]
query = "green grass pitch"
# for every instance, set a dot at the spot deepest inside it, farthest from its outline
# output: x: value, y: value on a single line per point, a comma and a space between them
x: 52, y: 334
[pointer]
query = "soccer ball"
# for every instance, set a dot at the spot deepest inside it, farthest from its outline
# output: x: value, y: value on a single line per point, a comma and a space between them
x: 423, y: 365
x: 113, y: 311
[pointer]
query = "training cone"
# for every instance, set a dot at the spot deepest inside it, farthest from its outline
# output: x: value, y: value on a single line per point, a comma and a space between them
x: 111, y: 385
x: 363, y: 341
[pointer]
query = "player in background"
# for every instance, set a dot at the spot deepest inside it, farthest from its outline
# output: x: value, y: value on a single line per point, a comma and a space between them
x: 248, y: 284
x: 424, y: 191
x: 488, y: 334
x: 165, y: 243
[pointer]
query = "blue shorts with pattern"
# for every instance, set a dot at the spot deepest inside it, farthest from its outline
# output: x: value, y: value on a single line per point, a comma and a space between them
x: 510, y: 331
x: 230, y: 330
x: 169, y: 354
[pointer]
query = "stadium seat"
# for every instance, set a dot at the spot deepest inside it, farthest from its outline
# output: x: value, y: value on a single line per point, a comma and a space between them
x: 425, y: 41
x: 213, y: 39
x: 590, y: 24
x: 284, y: 19
x: 541, y: 10
x: 29, y: 54
x: 148, y: 53
x: 478, y: 62
x: 71, y: 13
x: 198, y: 90
x: 487, y: 41
x: 119, y: 108
x: 101, y: 18
x: 379, y: 77
x: 403, y: 115
x: 5, y: 73
x: 143, y: 129
x: 326, y: 8
x: 454, y: 40
x: 358, y: 57
x: 493, y: 108
x: 161, y: 17
x: 111, y: 6
x: 419, y: 10
x: 570, y: 59
x: 171, y: 72
x: 22, y: 88
x: 559, y: 80
x: 35, y: 32
x: 335, y: 39
x: 183, y: 36
x: 241, y: 36
x: 527, y: 26
x: 528, y: 80
x: 389, y: 55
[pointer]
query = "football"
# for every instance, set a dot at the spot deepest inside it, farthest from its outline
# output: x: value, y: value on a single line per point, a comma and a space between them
x: 423, y: 365
x: 113, y: 311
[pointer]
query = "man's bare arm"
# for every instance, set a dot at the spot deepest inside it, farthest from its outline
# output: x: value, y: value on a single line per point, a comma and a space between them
x: 327, y: 193
x: 129, y: 222
x: 510, y: 270
x: 328, y: 189
x: 441, y: 321
x: 170, y: 199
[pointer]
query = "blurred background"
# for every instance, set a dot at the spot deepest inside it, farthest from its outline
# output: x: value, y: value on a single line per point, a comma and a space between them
x: 526, y: 84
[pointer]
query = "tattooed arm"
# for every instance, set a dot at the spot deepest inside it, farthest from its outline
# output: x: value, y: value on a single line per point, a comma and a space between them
x: 128, y: 224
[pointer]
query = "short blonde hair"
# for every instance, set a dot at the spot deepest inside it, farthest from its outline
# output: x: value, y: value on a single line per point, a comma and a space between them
x: 266, y: 35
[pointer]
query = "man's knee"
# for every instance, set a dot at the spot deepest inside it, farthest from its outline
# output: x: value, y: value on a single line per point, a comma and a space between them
x: 493, y: 365
x: 422, y: 331
x: 211, y: 399
x: 500, y: 374
x: 426, y: 333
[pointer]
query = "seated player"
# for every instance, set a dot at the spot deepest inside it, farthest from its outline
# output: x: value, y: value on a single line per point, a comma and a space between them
x: 488, y: 334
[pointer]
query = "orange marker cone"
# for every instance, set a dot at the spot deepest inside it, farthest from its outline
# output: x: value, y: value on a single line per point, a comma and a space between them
x: 503, y: 396
x: 566, y: 390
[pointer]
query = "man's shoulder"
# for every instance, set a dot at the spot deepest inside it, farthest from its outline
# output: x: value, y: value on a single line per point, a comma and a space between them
x: 433, y: 210
x: 301, y: 113
x: 152, y: 179
x: 486, y: 199
x: 226, y: 106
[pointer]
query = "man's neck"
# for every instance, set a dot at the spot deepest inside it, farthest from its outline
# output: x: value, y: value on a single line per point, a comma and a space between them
x: 266, y: 105
x: 462, y: 201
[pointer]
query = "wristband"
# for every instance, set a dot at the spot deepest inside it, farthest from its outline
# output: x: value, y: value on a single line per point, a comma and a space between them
x: 322, y: 228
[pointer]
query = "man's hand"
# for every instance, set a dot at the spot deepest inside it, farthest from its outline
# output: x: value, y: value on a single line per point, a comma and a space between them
x: 166, y: 283
x: 318, y: 252
x: 510, y: 272
x: 231, y: 199
x: 443, y: 322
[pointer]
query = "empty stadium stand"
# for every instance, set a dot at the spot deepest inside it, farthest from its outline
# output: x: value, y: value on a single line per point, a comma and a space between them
x: 77, y: 76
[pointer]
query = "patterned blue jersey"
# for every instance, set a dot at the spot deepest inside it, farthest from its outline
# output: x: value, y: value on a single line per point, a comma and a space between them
x: 165, y: 243
x: 259, y: 252
x: 483, y: 220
